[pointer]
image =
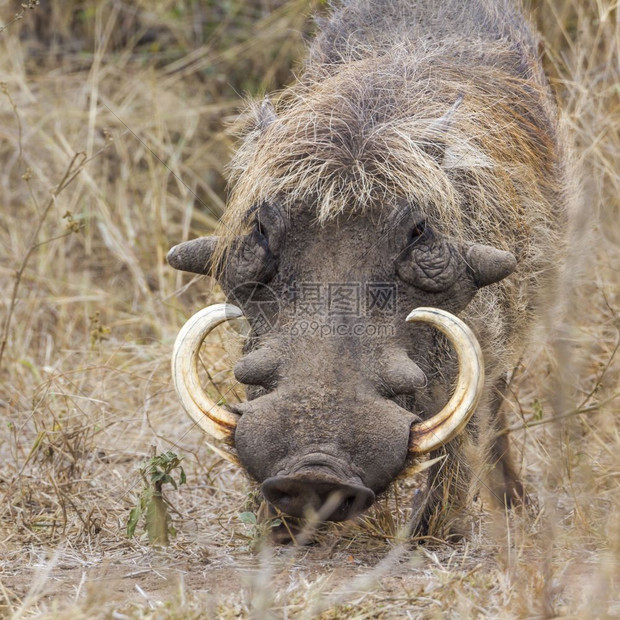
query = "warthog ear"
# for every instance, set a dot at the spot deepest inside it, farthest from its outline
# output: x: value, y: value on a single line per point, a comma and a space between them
x: 194, y: 256
x: 437, y: 131
x: 489, y: 265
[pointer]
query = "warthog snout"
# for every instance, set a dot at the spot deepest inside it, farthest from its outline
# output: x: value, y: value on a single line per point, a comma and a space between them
x: 318, y: 488
x: 318, y: 447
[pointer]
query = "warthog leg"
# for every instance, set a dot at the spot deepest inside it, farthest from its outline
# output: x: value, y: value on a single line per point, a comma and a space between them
x: 441, y: 508
x: 505, y: 480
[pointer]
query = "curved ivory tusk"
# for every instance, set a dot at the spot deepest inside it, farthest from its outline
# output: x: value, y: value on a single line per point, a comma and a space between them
x: 451, y: 420
x: 213, y: 419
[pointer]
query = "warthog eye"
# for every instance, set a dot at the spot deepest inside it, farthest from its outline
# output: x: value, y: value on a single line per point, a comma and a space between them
x: 420, y: 233
x: 254, y: 258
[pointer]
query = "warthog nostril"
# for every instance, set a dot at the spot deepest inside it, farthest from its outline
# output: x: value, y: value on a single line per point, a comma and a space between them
x: 331, y: 499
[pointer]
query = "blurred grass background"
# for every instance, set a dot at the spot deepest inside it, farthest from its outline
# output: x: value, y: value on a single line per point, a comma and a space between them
x: 89, y: 312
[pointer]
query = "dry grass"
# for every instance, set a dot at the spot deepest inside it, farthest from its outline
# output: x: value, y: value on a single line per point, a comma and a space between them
x: 143, y: 90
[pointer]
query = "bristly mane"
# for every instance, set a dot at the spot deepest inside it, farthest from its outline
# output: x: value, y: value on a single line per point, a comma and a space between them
x: 356, y: 133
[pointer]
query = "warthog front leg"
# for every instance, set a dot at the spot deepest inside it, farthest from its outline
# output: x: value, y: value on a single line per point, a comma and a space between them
x: 506, y: 485
x: 442, y: 508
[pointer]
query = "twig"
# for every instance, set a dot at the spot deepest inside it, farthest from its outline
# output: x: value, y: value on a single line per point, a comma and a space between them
x: 599, y: 381
x: 73, y: 169
x: 569, y: 414
x: 581, y: 409
x: 20, y: 14
x: 7, y: 94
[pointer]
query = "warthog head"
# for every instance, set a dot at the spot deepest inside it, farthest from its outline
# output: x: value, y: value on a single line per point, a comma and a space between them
x: 344, y: 381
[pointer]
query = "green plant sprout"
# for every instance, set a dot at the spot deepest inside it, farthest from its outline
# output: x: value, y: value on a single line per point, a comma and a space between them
x: 152, y: 503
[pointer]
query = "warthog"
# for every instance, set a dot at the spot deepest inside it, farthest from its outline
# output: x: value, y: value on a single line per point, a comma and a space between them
x: 415, y: 166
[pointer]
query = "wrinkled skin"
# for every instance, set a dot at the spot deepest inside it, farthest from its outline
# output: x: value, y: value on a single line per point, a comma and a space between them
x: 335, y: 385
